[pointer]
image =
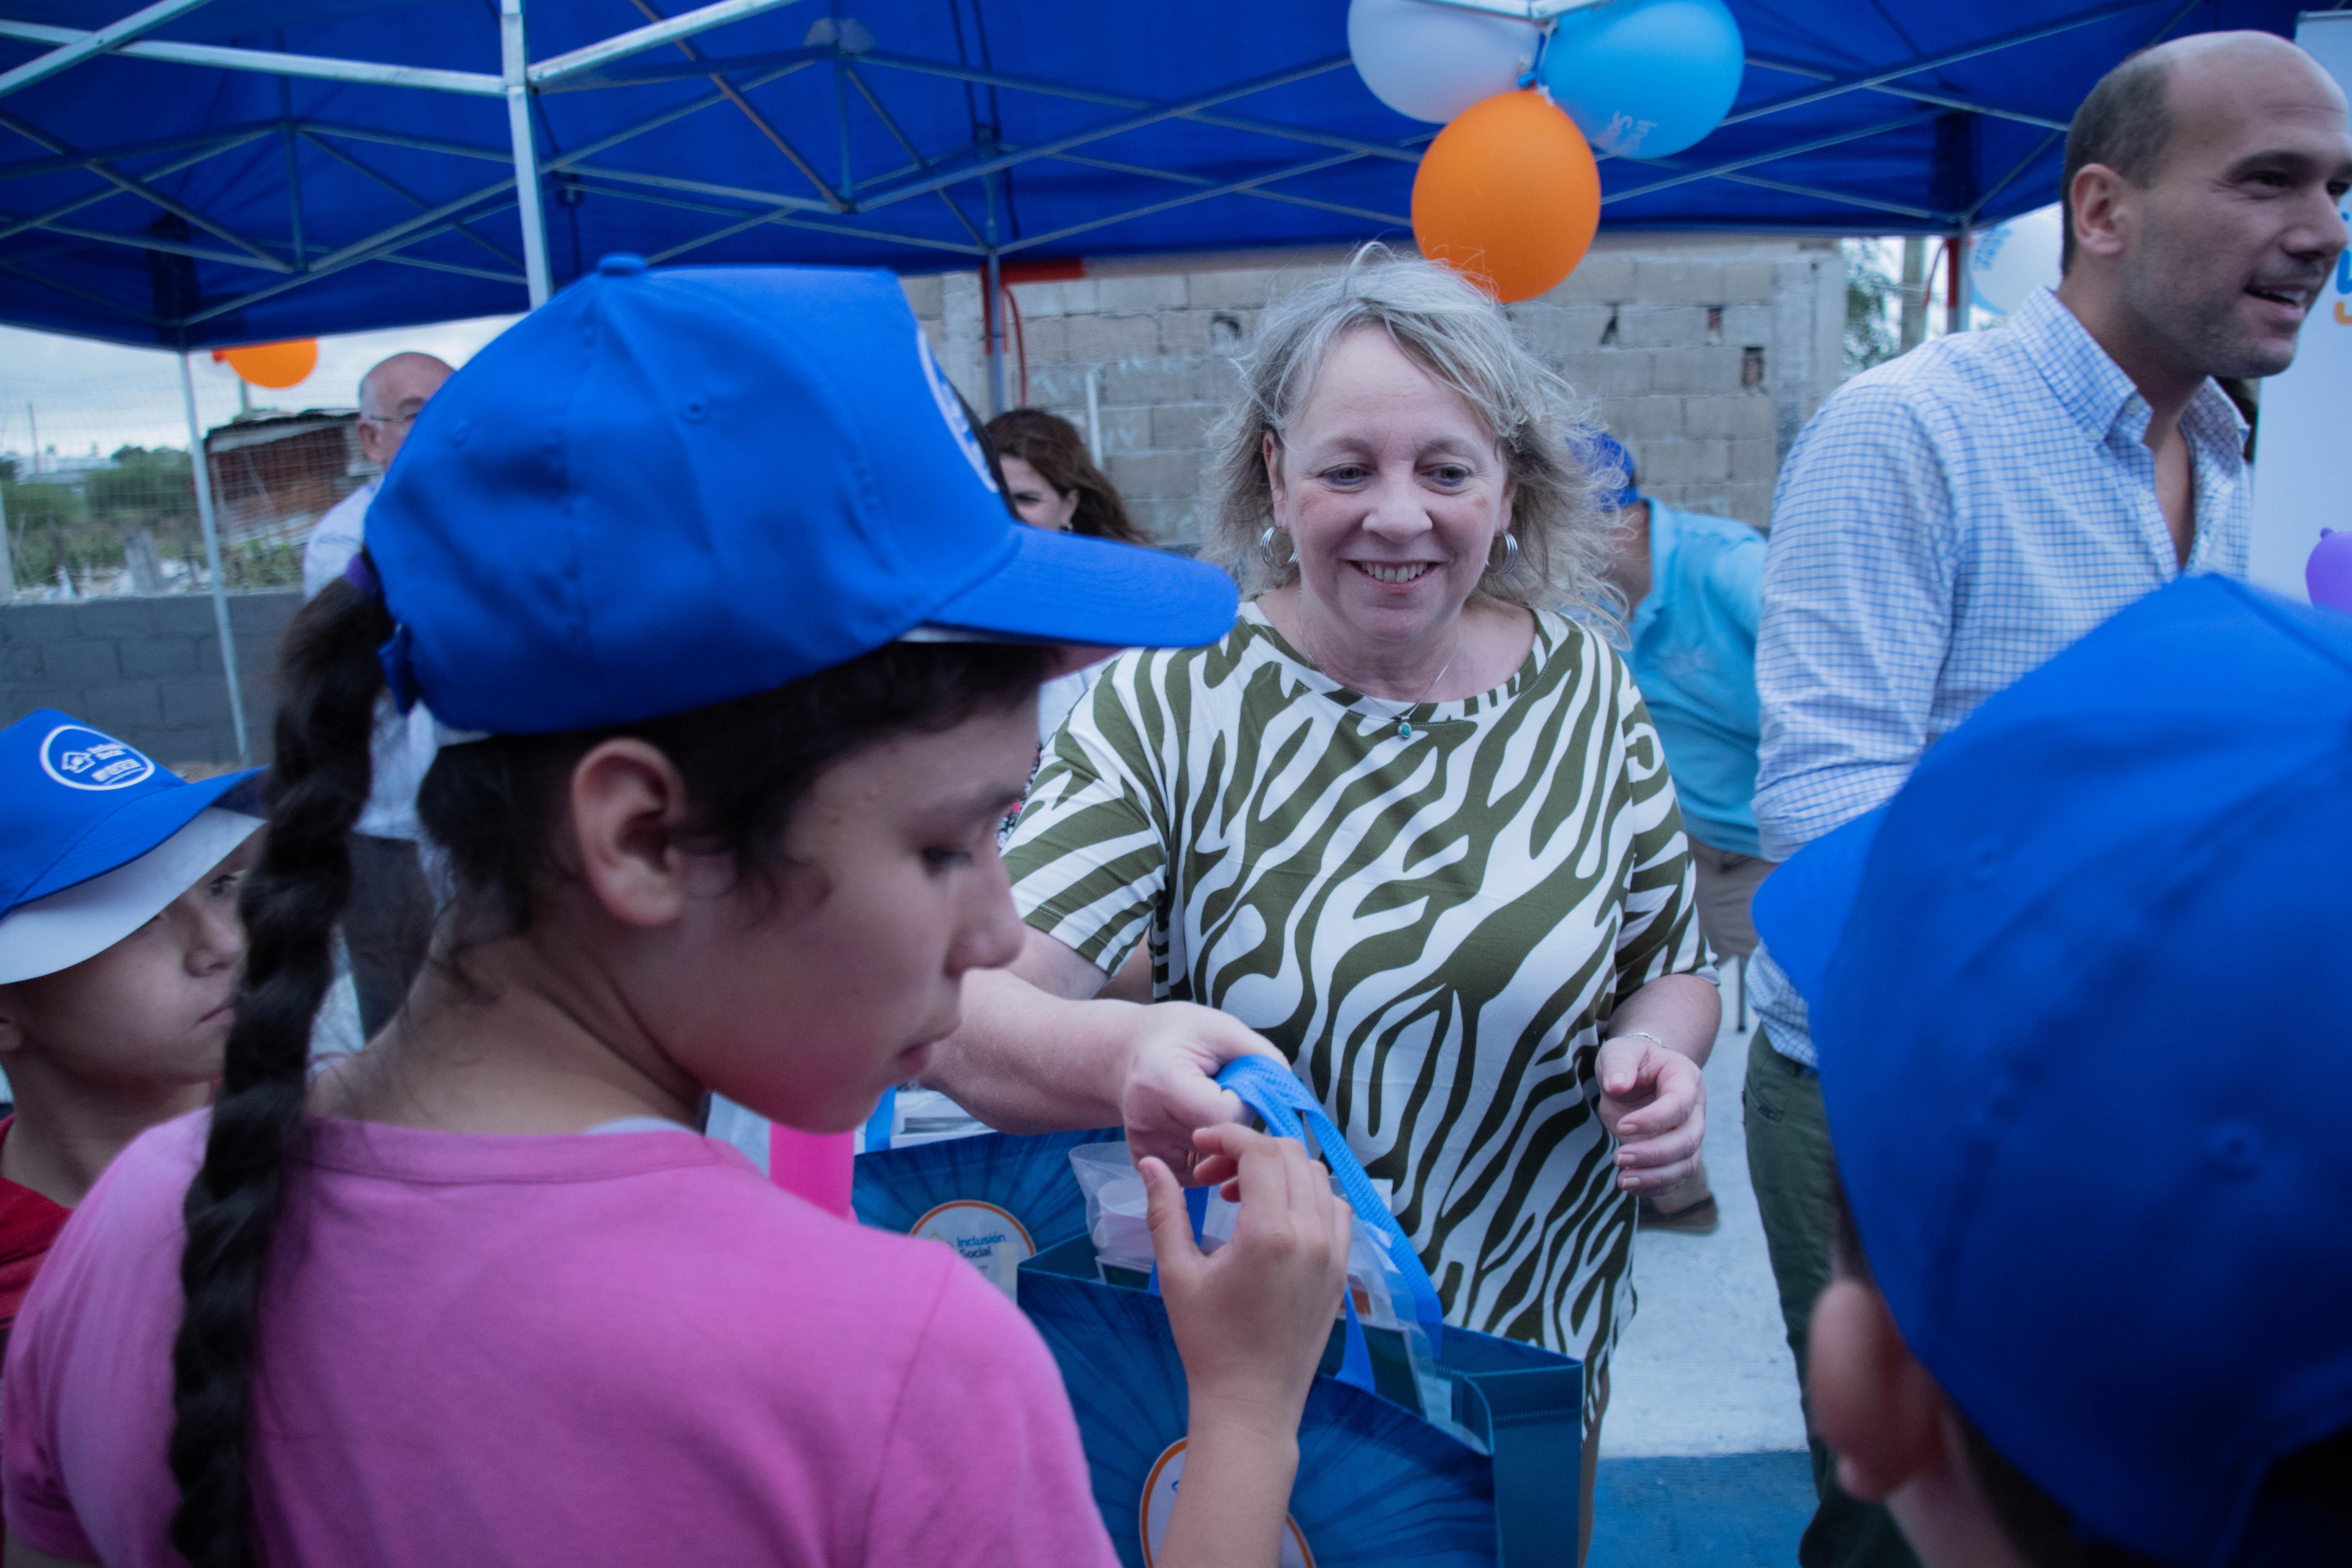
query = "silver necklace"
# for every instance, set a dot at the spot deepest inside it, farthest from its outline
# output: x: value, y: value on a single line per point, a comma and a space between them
x: 1404, y: 725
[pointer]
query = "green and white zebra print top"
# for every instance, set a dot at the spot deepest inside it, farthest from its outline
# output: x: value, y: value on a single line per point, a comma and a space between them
x: 1434, y: 928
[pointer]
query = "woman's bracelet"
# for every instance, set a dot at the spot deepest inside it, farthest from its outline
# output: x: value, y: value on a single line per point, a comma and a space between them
x: 1645, y: 1033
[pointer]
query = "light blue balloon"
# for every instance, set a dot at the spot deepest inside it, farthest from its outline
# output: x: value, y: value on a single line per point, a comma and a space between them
x: 1645, y: 78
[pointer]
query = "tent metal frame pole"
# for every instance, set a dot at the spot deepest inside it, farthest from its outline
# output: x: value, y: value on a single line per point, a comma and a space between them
x: 67, y: 56
x: 140, y: 188
x: 293, y: 173
x: 1136, y: 121
x: 200, y: 463
x: 352, y: 162
x: 7, y: 556
x: 516, y: 62
x: 1919, y: 95
x: 992, y: 317
x: 1957, y: 311
x: 1913, y: 67
x: 208, y: 142
x: 43, y: 219
x: 217, y: 57
x: 685, y: 25
x: 1232, y: 187
x: 1203, y: 181
x: 1682, y: 176
x: 782, y: 219
x: 444, y: 217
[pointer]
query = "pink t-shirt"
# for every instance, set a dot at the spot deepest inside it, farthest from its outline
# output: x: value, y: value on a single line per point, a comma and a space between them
x: 626, y: 1348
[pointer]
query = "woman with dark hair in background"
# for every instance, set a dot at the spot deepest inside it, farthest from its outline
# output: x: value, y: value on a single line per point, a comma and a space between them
x: 1053, y: 483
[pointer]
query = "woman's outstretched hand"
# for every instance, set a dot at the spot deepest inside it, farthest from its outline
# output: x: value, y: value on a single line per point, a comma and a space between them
x: 1174, y: 1051
x: 1653, y: 1102
x: 1251, y: 1321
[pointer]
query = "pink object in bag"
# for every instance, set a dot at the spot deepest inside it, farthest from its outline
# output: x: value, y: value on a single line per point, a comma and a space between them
x: 813, y: 1165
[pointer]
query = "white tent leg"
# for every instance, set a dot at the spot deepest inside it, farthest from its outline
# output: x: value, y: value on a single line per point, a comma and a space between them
x: 202, y: 469
x: 517, y: 64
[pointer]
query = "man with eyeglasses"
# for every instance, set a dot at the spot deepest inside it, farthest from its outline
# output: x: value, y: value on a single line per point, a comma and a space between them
x: 388, y: 922
x: 391, y: 397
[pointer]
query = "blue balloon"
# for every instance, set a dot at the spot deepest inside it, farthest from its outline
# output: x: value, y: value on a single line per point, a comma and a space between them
x: 1645, y: 78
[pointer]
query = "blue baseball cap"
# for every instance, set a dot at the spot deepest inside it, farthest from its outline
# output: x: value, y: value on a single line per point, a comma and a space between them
x: 2080, y: 996
x: 1612, y: 464
x: 664, y: 490
x: 96, y: 839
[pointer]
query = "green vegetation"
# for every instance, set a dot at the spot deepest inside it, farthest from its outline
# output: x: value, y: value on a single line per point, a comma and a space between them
x: 149, y: 490
x: 1874, y: 298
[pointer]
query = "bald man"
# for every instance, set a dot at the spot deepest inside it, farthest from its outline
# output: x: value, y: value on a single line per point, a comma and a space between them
x: 1952, y: 518
x: 387, y: 923
x: 391, y: 397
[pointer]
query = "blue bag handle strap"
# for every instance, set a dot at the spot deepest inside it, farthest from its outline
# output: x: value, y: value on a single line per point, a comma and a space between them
x: 1355, y: 1356
x: 1283, y: 1103
x: 885, y: 1117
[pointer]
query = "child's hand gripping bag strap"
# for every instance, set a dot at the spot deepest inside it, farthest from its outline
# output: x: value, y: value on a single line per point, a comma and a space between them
x: 1381, y: 1483
x: 1281, y: 1101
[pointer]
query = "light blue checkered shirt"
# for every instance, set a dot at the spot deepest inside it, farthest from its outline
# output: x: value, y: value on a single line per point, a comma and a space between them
x: 1947, y: 521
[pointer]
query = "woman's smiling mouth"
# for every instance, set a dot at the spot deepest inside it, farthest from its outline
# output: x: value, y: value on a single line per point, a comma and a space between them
x: 1394, y: 571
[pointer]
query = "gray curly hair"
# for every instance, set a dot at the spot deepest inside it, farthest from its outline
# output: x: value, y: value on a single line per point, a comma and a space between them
x: 1445, y: 325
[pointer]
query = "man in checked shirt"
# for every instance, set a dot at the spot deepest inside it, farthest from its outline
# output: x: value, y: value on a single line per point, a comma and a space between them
x: 1952, y: 518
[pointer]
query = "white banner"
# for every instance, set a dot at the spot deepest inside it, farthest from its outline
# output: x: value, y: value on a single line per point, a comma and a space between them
x: 2299, y: 485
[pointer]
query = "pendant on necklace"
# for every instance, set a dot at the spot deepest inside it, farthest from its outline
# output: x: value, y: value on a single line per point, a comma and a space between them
x: 1404, y: 729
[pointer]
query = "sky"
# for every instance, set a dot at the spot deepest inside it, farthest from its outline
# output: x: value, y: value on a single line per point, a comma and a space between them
x: 83, y: 394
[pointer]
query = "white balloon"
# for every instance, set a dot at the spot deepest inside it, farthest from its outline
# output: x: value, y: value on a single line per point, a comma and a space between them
x: 2010, y: 260
x: 1433, y: 61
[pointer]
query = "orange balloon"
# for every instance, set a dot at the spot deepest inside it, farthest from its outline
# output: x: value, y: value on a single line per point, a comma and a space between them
x: 1508, y: 195
x: 275, y: 365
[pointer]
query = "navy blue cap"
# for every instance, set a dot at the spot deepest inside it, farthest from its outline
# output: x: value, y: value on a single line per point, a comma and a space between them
x: 76, y: 804
x: 1614, y: 465
x: 2079, y: 993
x: 667, y: 489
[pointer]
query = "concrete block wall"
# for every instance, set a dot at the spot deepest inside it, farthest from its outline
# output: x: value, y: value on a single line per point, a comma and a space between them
x: 148, y: 670
x: 1705, y: 355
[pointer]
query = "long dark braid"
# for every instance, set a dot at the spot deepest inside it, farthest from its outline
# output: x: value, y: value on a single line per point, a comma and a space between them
x: 290, y: 902
x: 494, y: 806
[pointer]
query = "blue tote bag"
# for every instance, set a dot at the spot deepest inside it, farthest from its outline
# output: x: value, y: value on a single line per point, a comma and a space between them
x: 997, y: 1198
x: 1492, y: 1484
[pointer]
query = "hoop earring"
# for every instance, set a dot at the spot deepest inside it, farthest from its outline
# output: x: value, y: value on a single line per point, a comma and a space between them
x: 1509, y: 544
x: 1275, y: 561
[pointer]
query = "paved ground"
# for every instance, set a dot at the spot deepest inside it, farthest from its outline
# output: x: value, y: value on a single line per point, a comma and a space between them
x: 1704, y: 1368
x: 1729, y: 1510
x: 1702, y: 1462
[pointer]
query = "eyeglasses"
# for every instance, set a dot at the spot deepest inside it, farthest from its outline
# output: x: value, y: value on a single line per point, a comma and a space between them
x: 407, y: 418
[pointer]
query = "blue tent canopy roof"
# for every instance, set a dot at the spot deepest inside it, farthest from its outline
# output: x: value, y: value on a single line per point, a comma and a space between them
x: 150, y: 194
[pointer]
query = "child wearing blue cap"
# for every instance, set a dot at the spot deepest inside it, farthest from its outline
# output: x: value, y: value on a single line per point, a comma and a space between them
x: 119, y: 947
x: 710, y: 564
x: 2079, y: 996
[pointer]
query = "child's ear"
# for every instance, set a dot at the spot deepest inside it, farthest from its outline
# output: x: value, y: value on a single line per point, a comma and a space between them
x: 1876, y: 1405
x: 629, y: 808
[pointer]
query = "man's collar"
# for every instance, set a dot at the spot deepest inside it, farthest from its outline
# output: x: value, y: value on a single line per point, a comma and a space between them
x: 2090, y: 386
x: 2093, y: 387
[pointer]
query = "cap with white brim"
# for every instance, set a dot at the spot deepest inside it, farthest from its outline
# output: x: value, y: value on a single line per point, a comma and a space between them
x: 85, y: 919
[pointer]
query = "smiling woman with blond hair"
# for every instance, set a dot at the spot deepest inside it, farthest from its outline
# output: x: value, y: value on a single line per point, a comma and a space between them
x: 1406, y: 828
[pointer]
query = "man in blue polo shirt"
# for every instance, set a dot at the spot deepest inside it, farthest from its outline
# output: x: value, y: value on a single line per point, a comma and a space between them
x: 1695, y: 586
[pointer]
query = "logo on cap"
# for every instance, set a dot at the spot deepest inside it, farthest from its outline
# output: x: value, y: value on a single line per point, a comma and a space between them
x: 944, y: 393
x: 80, y: 758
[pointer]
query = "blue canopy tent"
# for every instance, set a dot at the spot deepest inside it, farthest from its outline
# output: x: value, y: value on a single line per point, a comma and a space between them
x: 205, y: 172
x: 216, y: 171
